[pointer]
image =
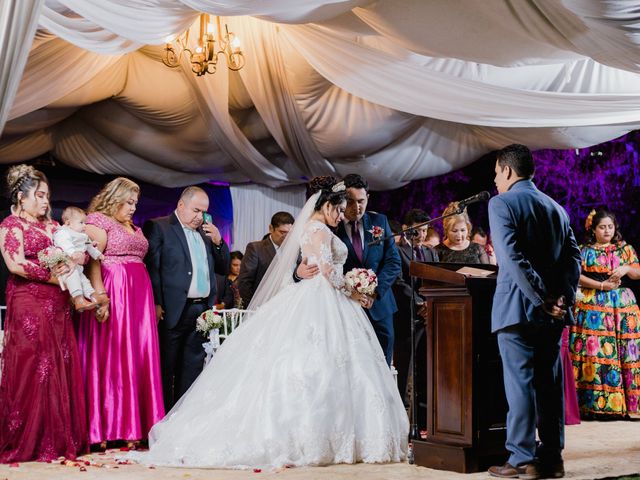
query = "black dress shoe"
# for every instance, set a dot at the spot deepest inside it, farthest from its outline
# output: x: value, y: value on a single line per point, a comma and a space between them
x: 551, y: 470
x: 525, y: 472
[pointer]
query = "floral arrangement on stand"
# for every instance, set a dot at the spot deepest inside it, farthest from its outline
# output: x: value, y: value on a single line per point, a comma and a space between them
x: 362, y: 280
x: 209, y: 324
x: 52, y: 256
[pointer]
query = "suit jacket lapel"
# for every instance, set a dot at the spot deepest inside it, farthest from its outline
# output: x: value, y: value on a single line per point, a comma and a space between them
x: 269, y: 250
x: 366, y: 226
x: 177, y: 229
x: 342, y: 234
x: 405, y: 252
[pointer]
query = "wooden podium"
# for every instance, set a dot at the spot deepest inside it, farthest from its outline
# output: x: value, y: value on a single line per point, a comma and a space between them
x: 461, y: 400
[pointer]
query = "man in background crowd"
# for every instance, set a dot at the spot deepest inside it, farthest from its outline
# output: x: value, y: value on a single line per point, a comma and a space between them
x: 258, y: 255
x: 408, y: 245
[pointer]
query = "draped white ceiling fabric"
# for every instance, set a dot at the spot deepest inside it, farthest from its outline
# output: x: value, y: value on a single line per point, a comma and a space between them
x: 396, y: 90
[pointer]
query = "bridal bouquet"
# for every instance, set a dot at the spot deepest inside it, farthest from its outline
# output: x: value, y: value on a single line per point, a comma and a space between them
x: 52, y: 256
x: 207, y: 321
x: 362, y: 280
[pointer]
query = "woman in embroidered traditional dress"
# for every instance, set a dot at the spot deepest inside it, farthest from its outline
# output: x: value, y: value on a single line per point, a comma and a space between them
x: 42, y: 410
x: 605, y: 342
x: 303, y: 381
x: 119, y: 342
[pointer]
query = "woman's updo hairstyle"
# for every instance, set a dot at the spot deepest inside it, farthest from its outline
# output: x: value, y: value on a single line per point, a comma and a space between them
x: 449, y: 222
x: 331, y: 190
x: 594, y: 218
x: 23, y: 178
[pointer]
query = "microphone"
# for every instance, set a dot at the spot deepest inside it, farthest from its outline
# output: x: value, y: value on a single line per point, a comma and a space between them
x: 478, y: 197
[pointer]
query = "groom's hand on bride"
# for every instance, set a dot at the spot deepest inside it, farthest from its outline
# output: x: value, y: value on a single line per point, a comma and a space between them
x: 306, y: 271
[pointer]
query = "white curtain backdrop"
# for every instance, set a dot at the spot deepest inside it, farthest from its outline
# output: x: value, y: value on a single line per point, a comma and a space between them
x: 253, y: 207
x: 18, y: 22
x: 393, y: 89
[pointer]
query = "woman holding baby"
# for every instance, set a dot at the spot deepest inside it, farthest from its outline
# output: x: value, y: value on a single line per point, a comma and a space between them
x: 42, y: 407
x: 119, y: 341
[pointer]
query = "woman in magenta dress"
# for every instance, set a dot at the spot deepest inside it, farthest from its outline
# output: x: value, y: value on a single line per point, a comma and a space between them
x: 42, y: 409
x: 119, y: 341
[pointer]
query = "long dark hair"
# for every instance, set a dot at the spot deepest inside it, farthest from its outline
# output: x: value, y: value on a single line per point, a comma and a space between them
x: 594, y: 220
x: 331, y: 190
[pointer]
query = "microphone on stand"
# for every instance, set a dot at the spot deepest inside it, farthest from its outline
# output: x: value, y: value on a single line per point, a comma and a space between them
x: 478, y: 197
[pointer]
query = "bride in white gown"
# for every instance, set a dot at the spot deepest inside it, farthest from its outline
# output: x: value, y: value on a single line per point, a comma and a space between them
x: 302, y: 382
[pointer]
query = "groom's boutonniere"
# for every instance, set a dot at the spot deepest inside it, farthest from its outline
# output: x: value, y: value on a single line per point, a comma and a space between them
x: 376, y: 232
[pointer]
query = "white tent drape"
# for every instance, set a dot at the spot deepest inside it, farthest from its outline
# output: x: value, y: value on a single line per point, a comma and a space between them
x: 18, y: 22
x: 393, y: 89
x: 253, y: 207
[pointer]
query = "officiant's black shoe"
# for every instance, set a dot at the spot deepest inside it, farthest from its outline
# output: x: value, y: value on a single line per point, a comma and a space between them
x: 524, y: 472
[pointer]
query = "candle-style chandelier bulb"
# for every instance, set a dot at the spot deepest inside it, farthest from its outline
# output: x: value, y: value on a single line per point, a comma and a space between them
x: 212, y: 42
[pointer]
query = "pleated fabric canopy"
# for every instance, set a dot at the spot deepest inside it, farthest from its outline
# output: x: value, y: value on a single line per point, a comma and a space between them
x: 396, y: 90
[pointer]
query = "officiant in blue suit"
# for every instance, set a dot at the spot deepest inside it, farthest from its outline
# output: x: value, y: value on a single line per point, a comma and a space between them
x: 539, y: 270
x: 358, y: 229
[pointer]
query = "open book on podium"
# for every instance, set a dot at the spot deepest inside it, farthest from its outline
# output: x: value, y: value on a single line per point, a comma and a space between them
x: 474, y: 272
x: 451, y: 274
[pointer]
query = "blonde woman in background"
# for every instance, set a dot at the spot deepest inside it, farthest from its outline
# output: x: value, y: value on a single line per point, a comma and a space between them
x: 119, y: 341
x: 457, y: 246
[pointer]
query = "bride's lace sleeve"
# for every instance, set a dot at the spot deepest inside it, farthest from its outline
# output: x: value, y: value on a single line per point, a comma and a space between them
x: 316, y: 246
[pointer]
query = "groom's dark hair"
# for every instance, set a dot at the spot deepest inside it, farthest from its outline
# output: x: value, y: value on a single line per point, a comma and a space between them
x: 353, y: 180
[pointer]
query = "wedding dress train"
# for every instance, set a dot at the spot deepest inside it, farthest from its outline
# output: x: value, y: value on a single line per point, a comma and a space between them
x: 303, y: 382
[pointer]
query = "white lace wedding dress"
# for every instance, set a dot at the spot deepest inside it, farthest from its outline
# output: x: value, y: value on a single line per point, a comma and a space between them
x: 303, y: 382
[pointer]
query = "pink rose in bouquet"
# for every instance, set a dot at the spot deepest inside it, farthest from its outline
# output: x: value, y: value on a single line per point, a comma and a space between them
x: 361, y: 280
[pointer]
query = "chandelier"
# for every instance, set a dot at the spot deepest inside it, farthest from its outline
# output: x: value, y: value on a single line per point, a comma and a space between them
x: 212, y: 42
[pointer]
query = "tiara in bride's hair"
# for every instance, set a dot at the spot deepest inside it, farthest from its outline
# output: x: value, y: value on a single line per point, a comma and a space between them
x: 338, y: 187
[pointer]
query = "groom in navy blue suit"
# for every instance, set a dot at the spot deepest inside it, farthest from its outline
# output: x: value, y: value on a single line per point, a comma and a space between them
x: 539, y: 271
x: 356, y: 231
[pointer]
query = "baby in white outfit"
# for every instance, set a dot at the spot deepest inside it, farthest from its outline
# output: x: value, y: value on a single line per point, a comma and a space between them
x: 72, y: 240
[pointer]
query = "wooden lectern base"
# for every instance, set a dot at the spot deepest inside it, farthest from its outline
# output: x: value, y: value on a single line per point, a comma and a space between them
x: 454, y: 458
